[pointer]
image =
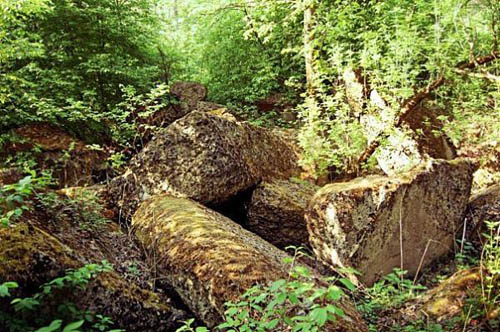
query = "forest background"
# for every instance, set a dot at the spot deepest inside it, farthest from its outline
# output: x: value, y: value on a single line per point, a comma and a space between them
x: 83, y: 65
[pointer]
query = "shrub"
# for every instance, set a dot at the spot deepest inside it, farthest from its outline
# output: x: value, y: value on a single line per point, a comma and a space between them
x: 30, y: 313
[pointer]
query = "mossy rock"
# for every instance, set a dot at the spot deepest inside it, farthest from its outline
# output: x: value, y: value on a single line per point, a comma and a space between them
x: 71, y: 161
x: 31, y: 257
x: 206, y: 257
x: 357, y: 223
x: 448, y: 299
x: 205, y: 157
x: 210, y: 260
x: 483, y: 206
x: 276, y: 212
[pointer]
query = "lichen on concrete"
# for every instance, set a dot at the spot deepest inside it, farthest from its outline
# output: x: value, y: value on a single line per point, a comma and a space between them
x: 448, y: 299
x: 276, y: 212
x: 483, y: 206
x: 71, y: 161
x: 357, y: 223
x: 206, y: 257
x: 210, y: 260
x: 204, y: 157
x: 31, y: 257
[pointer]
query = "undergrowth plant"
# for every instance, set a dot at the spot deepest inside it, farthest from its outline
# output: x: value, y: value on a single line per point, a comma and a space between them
x: 481, y: 305
x: 18, y: 197
x: 298, y: 303
x: 30, y: 313
x: 390, y: 292
x: 83, y: 208
x: 13, y: 196
x: 387, y: 297
x: 129, y: 117
x: 468, y: 255
x: 490, y: 281
x: 24, y: 160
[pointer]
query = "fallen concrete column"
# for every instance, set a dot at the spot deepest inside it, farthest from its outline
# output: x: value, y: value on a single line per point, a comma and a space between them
x: 357, y: 223
x: 31, y: 257
x: 276, y: 212
x: 209, y: 259
x: 205, y: 157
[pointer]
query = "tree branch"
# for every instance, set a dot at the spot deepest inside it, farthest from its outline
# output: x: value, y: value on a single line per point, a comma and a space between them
x: 410, y: 104
x: 483, y: 75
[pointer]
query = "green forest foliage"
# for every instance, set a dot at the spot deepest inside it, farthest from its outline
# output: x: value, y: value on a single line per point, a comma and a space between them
x: 246, y: 50
x: 74, y: 62
x: 400, y: 48
x: 220, y: 46
x: 88, y: 66
x: 65, y: 61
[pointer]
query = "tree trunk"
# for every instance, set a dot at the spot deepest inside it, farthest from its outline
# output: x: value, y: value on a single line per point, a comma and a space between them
x: 311, y: 75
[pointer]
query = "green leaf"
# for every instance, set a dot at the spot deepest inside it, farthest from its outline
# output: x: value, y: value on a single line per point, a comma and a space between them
x: 320, y: 316
x: 231, y: 311
x: 272, y: 324
x: 271, y: 305
x: 54, y: 326
x: 243, y: 315
x: 302, y: 271
x: 334, y: 293
x: 73, y: 327
x: 25, y: 304
x: 4, y: 288
x: 224, y: 325
x: 293, y: 298
x: 348, y: 284
x: 335, y: 310
x: 256, y: 307
x: 25, y: 181
x: 201, y: 329
x: 277, y: 285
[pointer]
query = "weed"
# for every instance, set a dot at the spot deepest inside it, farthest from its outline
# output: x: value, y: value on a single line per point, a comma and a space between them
x: 26, y: 312
x: 133, y: 270
x: 117, y: 160
x: 297, y: 303
x: 467, y: 256
x: 188, y: 327
x: 390, y: 292
x: 13, y: 196
x: 83, y: 207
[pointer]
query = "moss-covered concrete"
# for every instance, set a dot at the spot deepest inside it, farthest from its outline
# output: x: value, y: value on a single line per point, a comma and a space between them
x: 447, y: 300
x: 72, y: 163
x: 189, y: 93
x: 357, y: 223
x: 204, y: 157
x: 31, y: 257
x: 209, y: 259
x: 276, y: 212
x: 130, y: 307
x: 483, y: 206
x: 206, y: 257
